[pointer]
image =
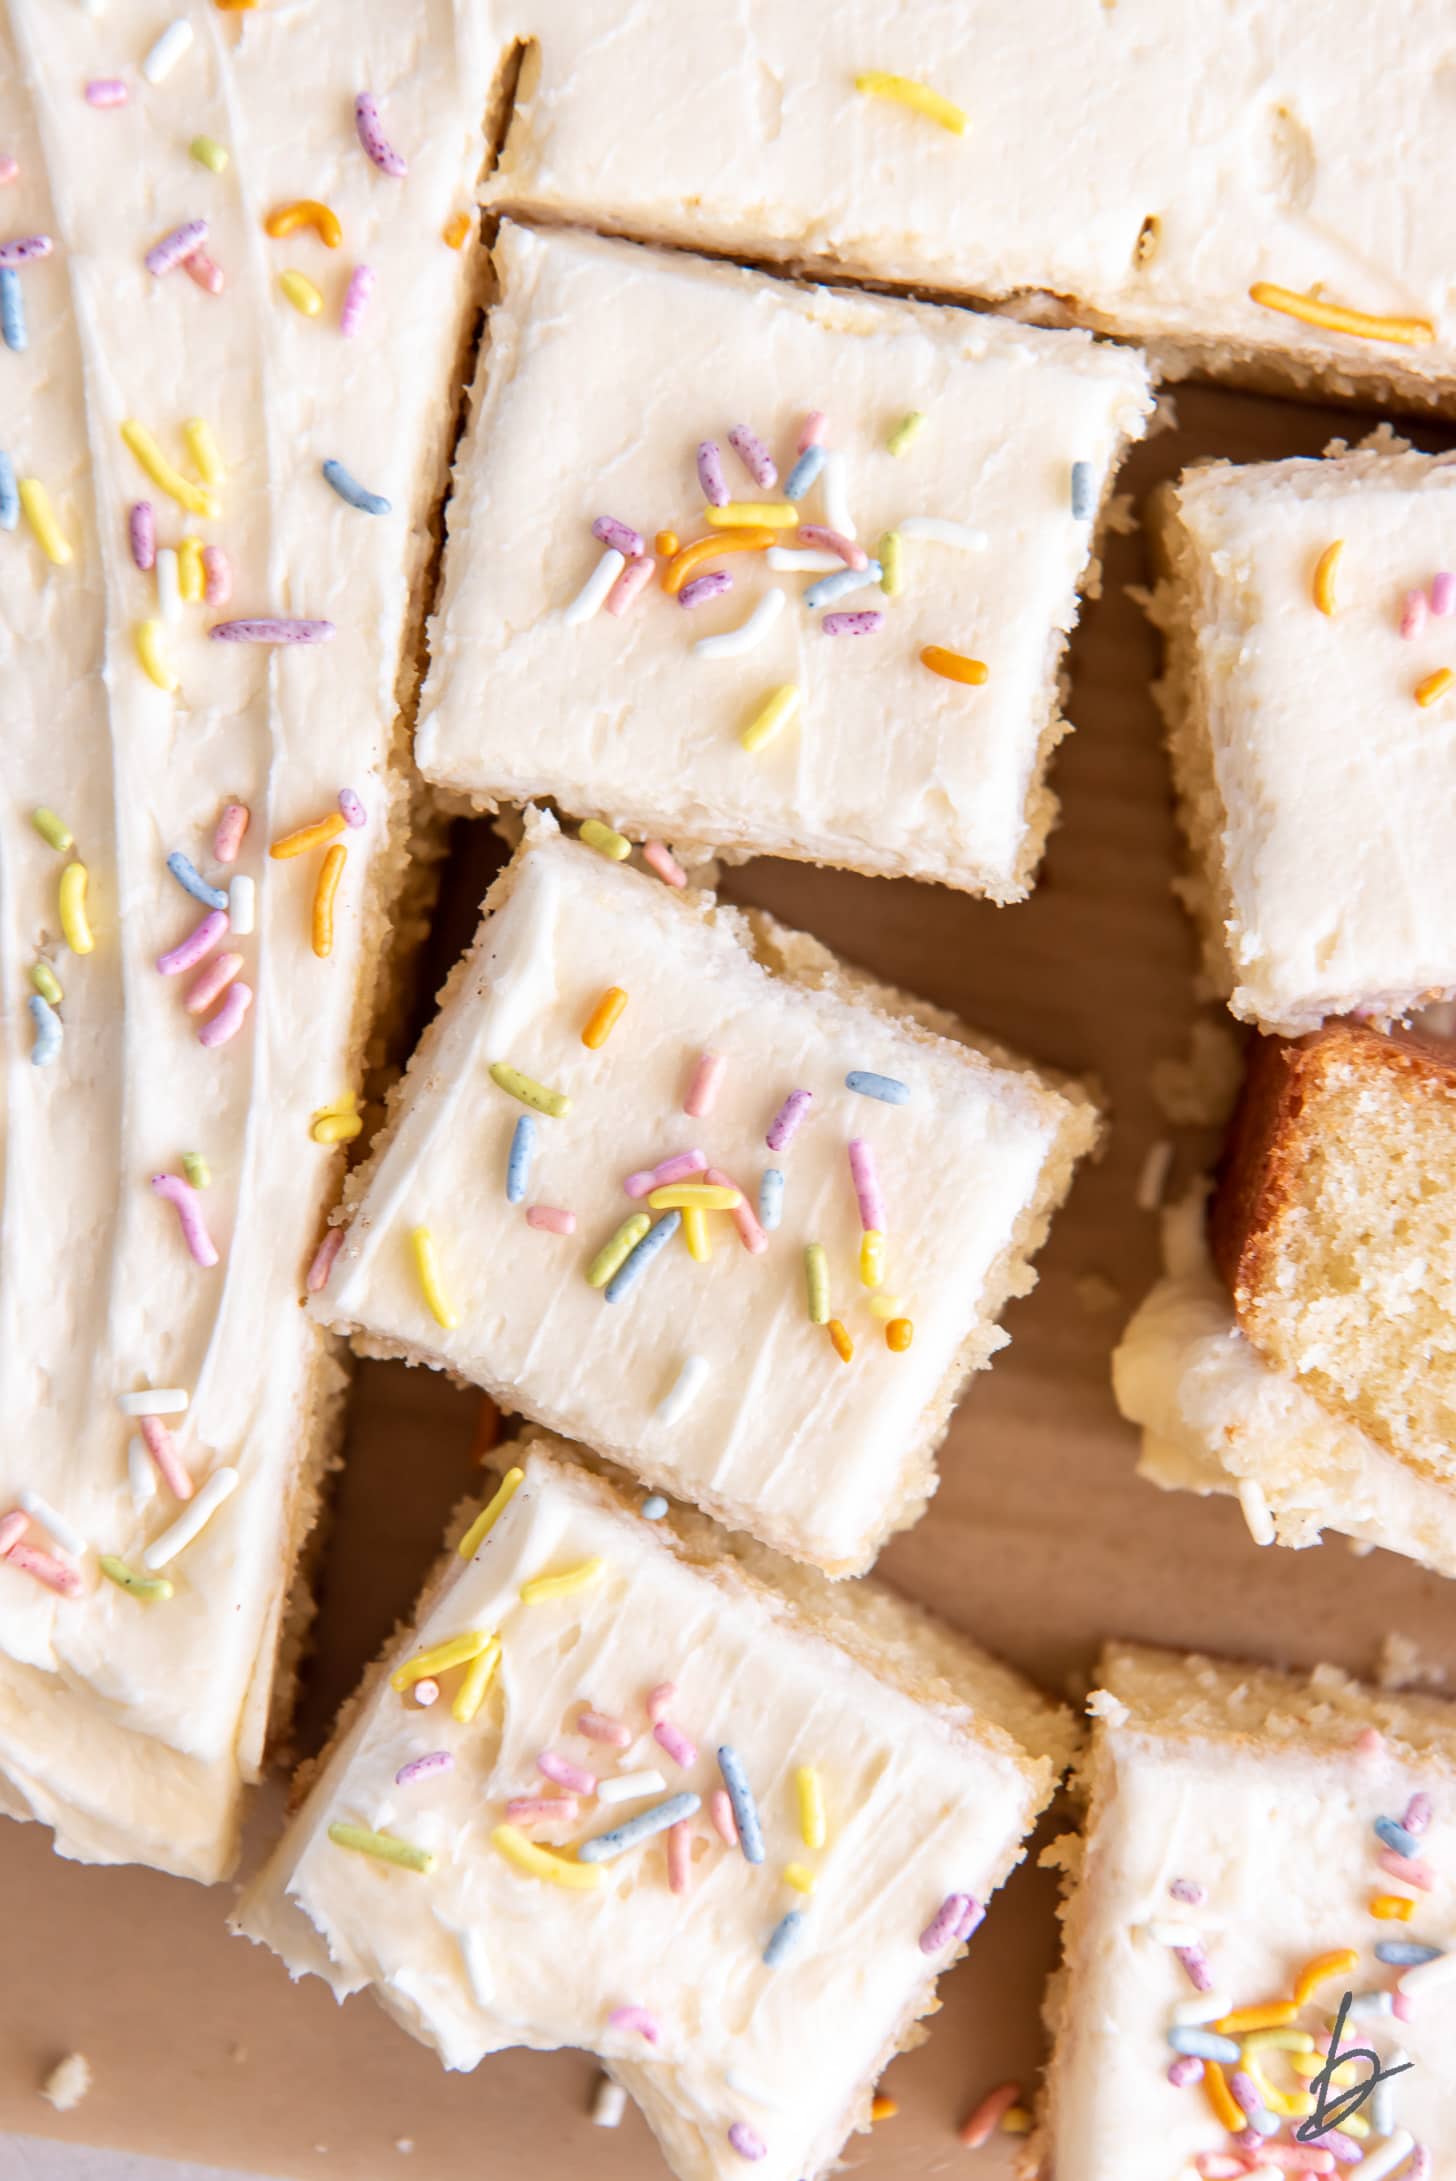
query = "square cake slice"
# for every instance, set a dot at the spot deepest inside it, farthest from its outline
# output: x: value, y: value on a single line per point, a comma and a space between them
x: 848, y: 650
x: 1309, y: 691
x: 1267, y: 1883
x: 705, y: 1815
x: 671, y: 1178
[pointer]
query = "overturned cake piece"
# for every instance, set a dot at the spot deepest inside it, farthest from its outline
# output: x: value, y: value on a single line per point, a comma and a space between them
x: 628, y: 1787
x: 1258, y: 1941
x: 1306, y: 608
x: 796, y: 579
x: 670, y: 1178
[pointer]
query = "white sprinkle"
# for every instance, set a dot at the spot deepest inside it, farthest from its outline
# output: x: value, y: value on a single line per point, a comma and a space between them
x: 40, y: 1510
x: 746, y: 2087
x: 167, y: 51
x: 1382, y: 2099
x: 169, y: 594
x: 685, y: 1390
x: 1168, y: 1933
x: 748, y: 633
x: 834, y: 490
x: 242, y: 905
x: 628, y: 1786
x: 592, y: 595
x: 941, y: 532
x: 609, y: 2104
x: 153, y: 1401
x: 141, y: 1475
x: 1384, y: 2159
x: 1256, y: 1511
x: 1428, y: 1976
x: 801, y: 560
x: 93, y: 7
x: 1154, y: 1176
x: 220, y: 1486
x: 1191, y: 2014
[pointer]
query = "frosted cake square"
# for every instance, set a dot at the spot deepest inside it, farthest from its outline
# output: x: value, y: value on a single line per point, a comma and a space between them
x: 1268, y: 1860
x: 672, y: 1178
x: 649, y: 609
x: 738, y: 1885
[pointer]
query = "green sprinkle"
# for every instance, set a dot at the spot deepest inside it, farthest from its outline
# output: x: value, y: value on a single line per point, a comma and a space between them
x: 613, y: 845
x: 197, y: 1170
x: 149, y: 1588
x: 816, y: 1275
x: 207, y: 151
x: 612, y: 1255
x: 529, y: 1091
x: 891, y: 557
x: 51, y: 829
x: 907, y: 431
x: 384, y: 1845
x: 46, y: 983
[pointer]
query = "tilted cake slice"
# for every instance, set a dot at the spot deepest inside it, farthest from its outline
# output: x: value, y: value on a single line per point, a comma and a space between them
x: 858, y: 523
x: 628, y: 1786
x: 1266, y: 1858
x: 670, y: 1178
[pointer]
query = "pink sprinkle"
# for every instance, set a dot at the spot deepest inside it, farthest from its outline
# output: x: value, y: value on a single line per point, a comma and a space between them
x: 944, y: 1924
x: 973, y: 1915
x: 704, y: 589
x: 1196, y: 1964
x: 862, y: 623
x: 754, y: 456
x: 183, y: 1196
x: 552, y: 1218
x: 621, y: 537
x: 659, y: 1700
x: 821, y: 539
x: 679, y: 1167
x: 679, y: 1855
x: 26, y: 251
x: 633, y: 580
x: 785, y: 1124
x: 141, y: 534
x: 1402, y: 2006
x: 9, y: 170
x: 1369, y: 1742
x: 356, y: 300
x: 421, y: 1768
x: 1189, y: 1890
x: 200, y: 940
x: 986, y: 2119
x: 1221, y: 2165
x: 217, y: 576
x: 227, y: 839
x: 206, y: 272
x: 710, y: 474
x: 46, y: 1568
x: 658, y: 856
x: 106, y: 91
x: 175, y: 247
x: 228, y: 1020
x: 675, y: 1742
x: 351, y: 809
x: 214, y: 980
x: 426, y: 1692
x: 1247, y: 2139
x: 13, y: 1527
x: 813, y: 431
x: 703, y: 1090
x: 271, y: 629
x: 1408, y: 1869
x: 1296, y: 2157
x: 566, y: 1774
x: 634, y: 2021
x: 1185, y: 2070
x: 162, y: 1447
x: 374, y: 140
x: 866, y: 1185
x: 318, y: 1279
x: 746, y: 2143
x: 1417, y: 1817
x: 1413, y: 614
x: 1418, y: 2166
x: 1443, y: 594
x: 720, y: 1810
x: 542, y: 1809
x: 743, y: 1216
x: 598, y: 1726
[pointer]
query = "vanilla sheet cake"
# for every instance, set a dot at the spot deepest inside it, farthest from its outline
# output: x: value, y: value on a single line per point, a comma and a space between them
x: 1260, y: 1957
x: 231, y: 319
x: 671, y: 1178
x: 1232, y: 181
x: 780, y: 570
x: 628, y: 1787
x: 1309, y: 692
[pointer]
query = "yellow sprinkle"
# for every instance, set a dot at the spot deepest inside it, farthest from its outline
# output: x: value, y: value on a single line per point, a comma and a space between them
x: 151, y: 649
x: 695, y: 1233
x: 301, y: 293
x: 152, y: 1589
x: 1324, y: 576
x: 816, y: 1279
x: 1393, y: 1907
x: 474, y: 1682
x: 812, y: 1829
x: 605, y: 840
x: 892, y: 563
x: 191, y: 581
x: 491, y: 1513
x: 332, y: 871
x: 336, y: 1128
x: 541, y: 1588
x: 1225, y: 2105
x: 884, y: 2107
x: 164, y: 476
x: 305, y: 212
x: 843, y: 1345
x: 456, y: 229
x: 1335, y: 318
x: 305, y: 837
x: 197, y: 1170
x: 541, y: 1863
x: 531, y: 1093
x: 440, y: 1657
x: 1279, y: 2041
x: 615, y: 1252
x: 1434, y: 686
x: 39, y: 513
x: 207, y: 151
x: 954, y: 666
x: 385, y: 1846
x: 1339, y: 1963
x: 905, y: 91
x: 887, y: 1306
x: 205, y: 452
x: 1275, y: 2013
x: 1016, y: 2121
x: 52, y: 829
x: 871, y: 1258
x: 604, y: 1017
x: 768, y: 514
x: 775, y: 712
x: 74, y: 923
x: 799, y: 1876
x: 1354, y: 2124
x: 906, y: 432
x: 701, y: 1196
x: 46, y: 983
x: 427, y: 1265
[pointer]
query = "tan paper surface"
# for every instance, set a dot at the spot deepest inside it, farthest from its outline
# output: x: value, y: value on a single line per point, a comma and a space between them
x: 1042, y: 1541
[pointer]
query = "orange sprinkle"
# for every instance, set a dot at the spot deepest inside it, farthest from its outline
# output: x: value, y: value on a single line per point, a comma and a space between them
x: 234, y: 7
x: 954, y: 666
x: 689, y: 558
x: 980, y: 2126
x: 323, y: 900
x: 305, y: 212
x: 665, y: 544
x: 883, y: 2108
x: 1393, y: 1907
x: 899, y: 1333
x: 843, y: 1345
x: 1434, y: 686
x: 455, y: 230
x: 1222, y: 2099
x: 1276, y: 2014
x: 604, y: 1017
x: 308, y: 836
x: 1324, y: 576
x: 1335, y: 318
x: 1311, y: 1976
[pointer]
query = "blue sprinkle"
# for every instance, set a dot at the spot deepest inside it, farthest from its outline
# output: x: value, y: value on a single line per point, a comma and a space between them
x: 1262, y: 2121
x: 9, y: 495
x: 770, y: 1198
x: 47, y: 1022
x: 783, y: 1938
x: 1405, y: 1953
x: 804, y: 472
x: 1396, y: 1837
x: 642, y: 1827
x: 655, y: 1239
x: 887, y: 1088
x: 745, y: 1809
x: 349, y: 488
x: 190, y: 879
x: 12, y: 310
x: 1205, y: 2045
x: 1083, y: 501
x: 840, y: 584
x: 654, y: 1507
x: 518, y: 1166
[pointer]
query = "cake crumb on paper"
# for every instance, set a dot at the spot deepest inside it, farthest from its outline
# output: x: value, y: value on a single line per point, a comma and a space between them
x: 1400, y: 1665
x: 1201, y: 1089
x: 68, y: 2082
x: 1096, y: 1293
x: 1153, y: 1175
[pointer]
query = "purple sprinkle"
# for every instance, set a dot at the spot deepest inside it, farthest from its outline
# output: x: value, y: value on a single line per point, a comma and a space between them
x: 1443, y: 594
x: 1185, y: 2070
x: 621, y: 537
x: 702, y: 589
x: 1247, y: 2139
x: 373, y: 138
x: 271, y: 630
x: 1195, y: 1961
x: 745, y: 2142
x: 1417, y: 1813
x: 356, y: 300
x: 851, y: 624
x: 675, y: 1742
x: 420, y: 1768
x: 106, y: 91
x: 866, y: 1181
x: 574, y: 1777
x: 1245, y: 2093
x: 1344, y: 2148
x: 710, y: 474
x: 973, y: 1915
x: 945, y: 1923
x: 26, y: 251
x: 353, y: 810
x: 1189, y: 1890
x: 175, y: 248
x: 786, y: 1120
x: 754, y: 456
x: 142, y: 535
